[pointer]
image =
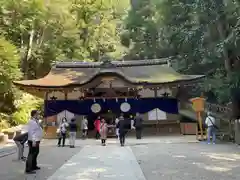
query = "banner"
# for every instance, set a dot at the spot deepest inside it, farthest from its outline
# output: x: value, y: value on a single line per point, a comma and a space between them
x: 131, y: 106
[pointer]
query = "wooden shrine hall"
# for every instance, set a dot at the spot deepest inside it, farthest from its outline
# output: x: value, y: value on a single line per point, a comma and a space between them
x: 77, y: 89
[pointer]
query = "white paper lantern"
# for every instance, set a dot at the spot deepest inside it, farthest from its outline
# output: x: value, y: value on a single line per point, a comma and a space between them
x: 125, y: 107
x: 96, y: 108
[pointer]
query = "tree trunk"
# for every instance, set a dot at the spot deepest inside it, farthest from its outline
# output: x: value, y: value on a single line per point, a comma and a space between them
x: 25, y: 65
x: 227, y: 61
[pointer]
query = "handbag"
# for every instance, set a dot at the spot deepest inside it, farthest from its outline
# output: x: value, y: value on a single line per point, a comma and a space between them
x: 213, y: 123
x: 58, y: 131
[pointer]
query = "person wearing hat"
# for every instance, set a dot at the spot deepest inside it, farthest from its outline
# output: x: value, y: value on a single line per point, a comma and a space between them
x: 211, y: 128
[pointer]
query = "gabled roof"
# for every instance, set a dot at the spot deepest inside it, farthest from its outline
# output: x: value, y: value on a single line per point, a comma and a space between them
x: 138, y: 72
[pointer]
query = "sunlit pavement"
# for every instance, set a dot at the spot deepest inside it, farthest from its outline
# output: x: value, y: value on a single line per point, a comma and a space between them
x: 150, y: 158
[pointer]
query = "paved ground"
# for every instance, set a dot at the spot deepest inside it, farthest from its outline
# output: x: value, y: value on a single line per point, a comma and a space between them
x: 189, y: 161
x: 159, y: 158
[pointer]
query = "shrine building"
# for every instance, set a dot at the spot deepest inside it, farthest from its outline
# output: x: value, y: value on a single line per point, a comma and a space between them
x: 91, y: 89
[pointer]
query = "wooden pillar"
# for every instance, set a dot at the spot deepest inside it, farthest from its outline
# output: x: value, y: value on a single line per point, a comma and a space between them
x: 45, y: 99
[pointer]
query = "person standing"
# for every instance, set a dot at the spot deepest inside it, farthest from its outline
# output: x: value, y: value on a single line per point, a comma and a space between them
x: 97, y: 123
x: 62, y: 132
x: 103, y: 131
x: 138, y: 125
x: 122, y: 129
x: 84, y: 127
x: 72, y: 132
x: 20, y: 140
x: 35, y: 134
x: 211, y: 128
x: 117, y: 129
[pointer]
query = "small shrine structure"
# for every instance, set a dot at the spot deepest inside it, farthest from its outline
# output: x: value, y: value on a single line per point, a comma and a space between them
x: 77, y: 89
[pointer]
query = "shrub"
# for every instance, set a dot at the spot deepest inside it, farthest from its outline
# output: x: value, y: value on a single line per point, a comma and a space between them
x: 25, y: 104
x: 4, y: 123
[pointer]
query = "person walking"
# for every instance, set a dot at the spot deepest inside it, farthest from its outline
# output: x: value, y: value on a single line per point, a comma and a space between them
x: 35, y: 134
x: 72, y: 132
x: 138, y: 125
x: 211, y: 128
x: 122, y: 129
x: 84, y: 127
x: 20, y: 140
x: 103, y: 131
x: 97, y: 123
x: 62, y: 132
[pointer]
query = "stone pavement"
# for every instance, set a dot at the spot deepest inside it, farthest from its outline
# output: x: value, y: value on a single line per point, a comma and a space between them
x: 102, y: 163
x: 195, y: 161
x: 7, y: 149
x: 168, y: 158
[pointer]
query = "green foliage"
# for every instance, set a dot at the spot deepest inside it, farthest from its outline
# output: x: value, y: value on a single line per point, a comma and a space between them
x: 9, y: 62
x: 44, y: 32
x: 4, y: 121
x: 24, y: 107
x: 202, y: 35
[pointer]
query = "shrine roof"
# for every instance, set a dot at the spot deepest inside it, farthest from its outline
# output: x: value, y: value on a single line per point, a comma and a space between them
x: 137, y: 72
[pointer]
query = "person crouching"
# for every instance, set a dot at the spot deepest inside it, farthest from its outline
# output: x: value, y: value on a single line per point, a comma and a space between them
x: 20, y: 140
x: 103, y: 132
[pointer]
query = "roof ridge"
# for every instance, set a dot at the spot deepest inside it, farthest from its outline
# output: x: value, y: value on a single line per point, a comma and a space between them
x: 108, y: 64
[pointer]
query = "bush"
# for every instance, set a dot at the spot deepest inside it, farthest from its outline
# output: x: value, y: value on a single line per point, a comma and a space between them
x: 25, y: 105
x: 4, y: 123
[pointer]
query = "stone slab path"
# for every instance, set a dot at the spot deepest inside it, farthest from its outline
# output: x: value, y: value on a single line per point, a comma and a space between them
x: 101, y: 163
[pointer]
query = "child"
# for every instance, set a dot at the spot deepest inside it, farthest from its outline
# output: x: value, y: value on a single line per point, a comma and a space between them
x: 20, y: 140
x: 103, y: 132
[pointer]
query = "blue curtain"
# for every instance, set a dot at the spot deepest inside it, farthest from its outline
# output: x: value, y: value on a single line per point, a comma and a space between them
x: 83, y: 107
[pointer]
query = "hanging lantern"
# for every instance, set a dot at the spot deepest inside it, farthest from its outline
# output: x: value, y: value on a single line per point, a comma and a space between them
x: 104, y: 99
x: 116, y: 99
x: 94, y: 100
x: 125, y: 99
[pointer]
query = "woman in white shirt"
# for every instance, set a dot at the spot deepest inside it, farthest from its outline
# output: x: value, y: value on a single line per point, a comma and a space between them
x: 117, y: 129
x: 62, y: 131
x: 84, y: 127
x: 211, y: 128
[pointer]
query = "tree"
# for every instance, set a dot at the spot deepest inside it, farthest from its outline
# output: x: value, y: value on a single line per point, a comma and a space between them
x: 9, y: 62
x: 201, y: 35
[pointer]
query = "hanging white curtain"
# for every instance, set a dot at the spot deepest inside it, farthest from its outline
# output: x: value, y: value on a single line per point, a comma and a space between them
x: 66, y: 114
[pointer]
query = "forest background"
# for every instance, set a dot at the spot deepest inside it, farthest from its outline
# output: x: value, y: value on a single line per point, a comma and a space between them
x: 202, y: 37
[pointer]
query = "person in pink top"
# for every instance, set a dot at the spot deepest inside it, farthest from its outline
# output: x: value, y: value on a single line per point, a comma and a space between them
x: 97, y: 124
x: 103, y: 131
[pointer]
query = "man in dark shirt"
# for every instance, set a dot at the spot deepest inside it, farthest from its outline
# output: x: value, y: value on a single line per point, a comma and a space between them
x: 138, y: 125
x: 20, y: 140
x: 72, y: 132
x: 122, y: 126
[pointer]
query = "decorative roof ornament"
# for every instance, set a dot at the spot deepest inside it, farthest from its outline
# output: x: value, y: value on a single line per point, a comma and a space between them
x: 53, y: 98
x: 106, y: 62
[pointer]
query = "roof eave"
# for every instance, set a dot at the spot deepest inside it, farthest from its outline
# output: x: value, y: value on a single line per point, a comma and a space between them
x: 142, y: 83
